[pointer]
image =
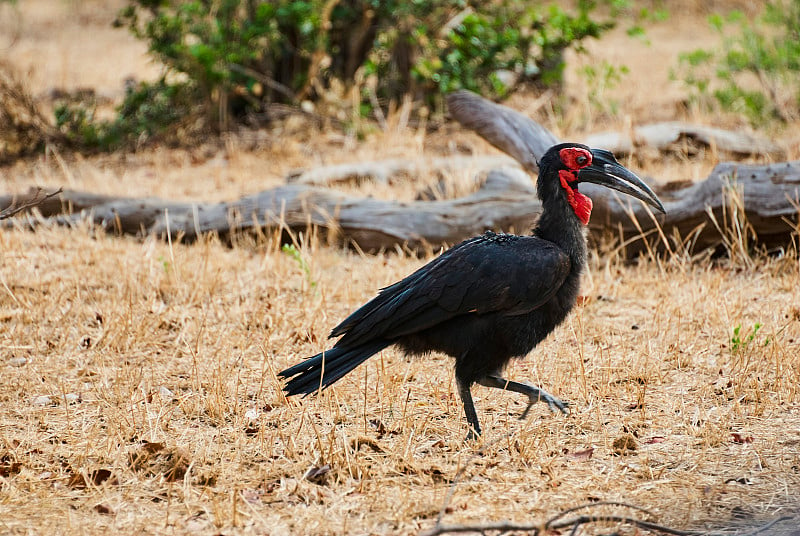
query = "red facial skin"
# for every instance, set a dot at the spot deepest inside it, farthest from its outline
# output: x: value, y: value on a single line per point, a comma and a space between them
x: 580, y: 203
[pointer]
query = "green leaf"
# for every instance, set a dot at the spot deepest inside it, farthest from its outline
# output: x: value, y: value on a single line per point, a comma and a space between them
x: 716, y: 21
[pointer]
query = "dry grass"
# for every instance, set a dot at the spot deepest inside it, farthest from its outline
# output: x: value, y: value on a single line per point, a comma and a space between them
x: 139, y: 392
x: 110, y: 346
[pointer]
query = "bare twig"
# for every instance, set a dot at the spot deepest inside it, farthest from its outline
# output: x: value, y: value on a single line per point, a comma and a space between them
x: 12, y: 210
x: 584, y: 520
x: 568, y: 511
x: 318, y: 55
x: 538, y: 528
x: 767, y: 526
x: 266, y: 80
x: 499, y: 527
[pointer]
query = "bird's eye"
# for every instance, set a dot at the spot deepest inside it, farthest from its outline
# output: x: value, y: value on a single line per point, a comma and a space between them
x: 581, y: 160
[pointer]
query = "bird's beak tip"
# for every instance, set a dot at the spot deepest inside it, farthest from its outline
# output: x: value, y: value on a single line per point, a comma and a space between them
x: 659, y: 206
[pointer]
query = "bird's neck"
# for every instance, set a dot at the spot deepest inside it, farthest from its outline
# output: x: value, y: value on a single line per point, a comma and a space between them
x: 559, y: 225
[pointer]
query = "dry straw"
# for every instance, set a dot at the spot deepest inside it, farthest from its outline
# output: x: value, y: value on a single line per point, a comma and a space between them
x: 140, y: 394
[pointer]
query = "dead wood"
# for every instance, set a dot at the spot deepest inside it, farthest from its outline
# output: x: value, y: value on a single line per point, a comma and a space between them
x: 505, y: 201
x: 676, y: 135
x: 522, y: 138
x: 36, y: 199
x: 760, y: 200
x: 561, y: 521
x: 384, y: 171
x: 576, y: 522
x: 768, y: 195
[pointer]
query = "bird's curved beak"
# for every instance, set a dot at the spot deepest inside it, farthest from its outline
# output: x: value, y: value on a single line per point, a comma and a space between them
x: 606, y: 171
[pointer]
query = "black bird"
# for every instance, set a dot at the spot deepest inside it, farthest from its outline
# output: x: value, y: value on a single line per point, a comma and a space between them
x: 488, y: 299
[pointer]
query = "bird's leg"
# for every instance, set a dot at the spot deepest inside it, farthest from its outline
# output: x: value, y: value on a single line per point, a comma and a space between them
x: 469, y: 410
x: 534, y: 394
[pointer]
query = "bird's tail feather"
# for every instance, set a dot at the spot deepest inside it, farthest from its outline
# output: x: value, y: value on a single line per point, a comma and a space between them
x: 321, y: 370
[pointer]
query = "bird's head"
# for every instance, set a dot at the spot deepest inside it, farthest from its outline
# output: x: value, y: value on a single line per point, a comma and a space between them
x: 566, y: 165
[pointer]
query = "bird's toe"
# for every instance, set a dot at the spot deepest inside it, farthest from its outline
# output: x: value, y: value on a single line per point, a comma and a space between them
x: 472, y: 435
x: 524, y: 414
x: 557, y: 405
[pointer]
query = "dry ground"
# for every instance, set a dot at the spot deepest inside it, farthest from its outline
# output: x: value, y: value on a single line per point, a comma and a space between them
x: 139, y: 391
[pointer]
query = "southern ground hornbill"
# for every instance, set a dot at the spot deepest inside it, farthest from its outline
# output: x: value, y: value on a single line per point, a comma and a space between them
x: 488, y: 299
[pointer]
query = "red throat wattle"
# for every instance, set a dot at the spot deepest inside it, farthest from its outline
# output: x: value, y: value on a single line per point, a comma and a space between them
x: 581, y: 204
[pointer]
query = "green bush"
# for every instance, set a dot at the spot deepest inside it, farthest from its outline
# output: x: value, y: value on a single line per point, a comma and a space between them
x: 493, y: 50
x: 237, y: 57
x: 756, y: 73
x: 148, y: 111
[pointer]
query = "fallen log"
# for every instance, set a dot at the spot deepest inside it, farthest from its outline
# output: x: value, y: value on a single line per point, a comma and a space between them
x: 762, y: 200
x: 506, y: 200
x: 383, y: 171
x: 518, y: 136
x: 765, y: 199
x: 672, y: 135
x: 769, y: 194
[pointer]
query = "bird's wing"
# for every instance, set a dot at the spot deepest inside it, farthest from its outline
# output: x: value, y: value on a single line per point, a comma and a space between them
x: 492, y: 273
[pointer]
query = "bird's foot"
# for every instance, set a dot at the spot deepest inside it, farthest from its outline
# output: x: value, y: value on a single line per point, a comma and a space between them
x: 473, y: 435
x: 534, y: 394
x: 540, y: 395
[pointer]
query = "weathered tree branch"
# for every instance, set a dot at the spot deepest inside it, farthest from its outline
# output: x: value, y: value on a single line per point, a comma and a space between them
x: 31, y: 201
x: 761, y: 199
x: 664, y: 136
x: 769, y: 194
x: 535, y: 529
x: 506, y: 201
x: 522, y: 138
x: 385, y: 170
x: 561, y: 521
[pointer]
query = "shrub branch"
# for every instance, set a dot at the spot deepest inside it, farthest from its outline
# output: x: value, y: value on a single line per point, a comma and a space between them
x: 37, y: 199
